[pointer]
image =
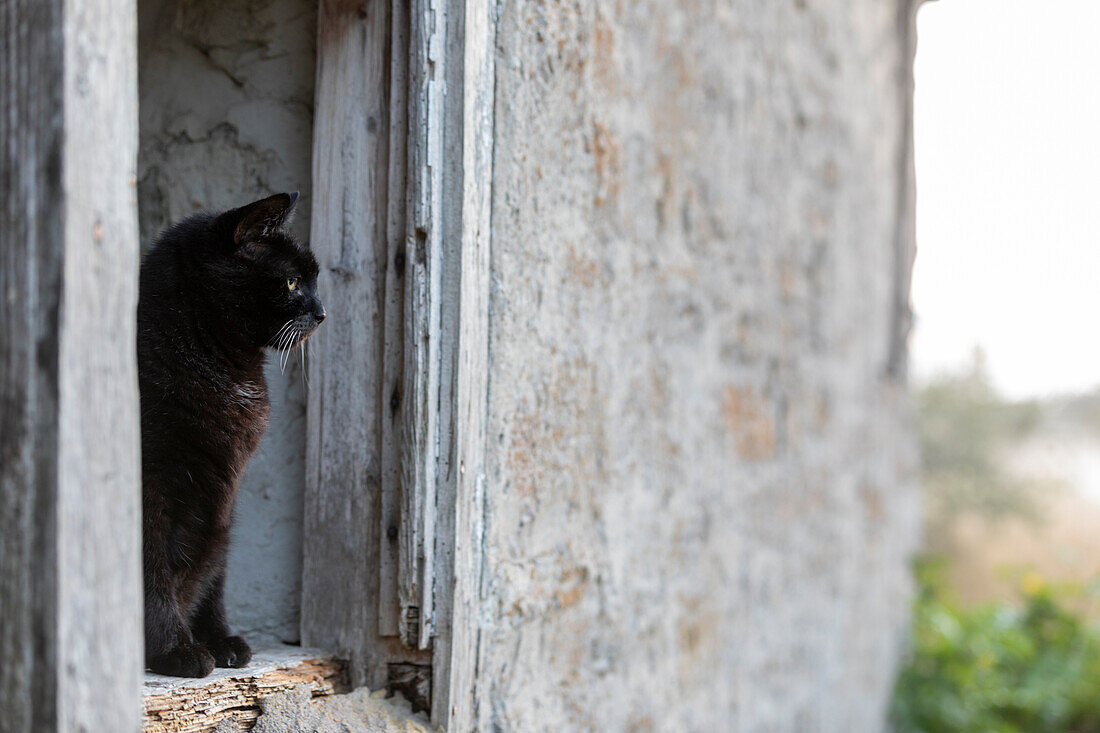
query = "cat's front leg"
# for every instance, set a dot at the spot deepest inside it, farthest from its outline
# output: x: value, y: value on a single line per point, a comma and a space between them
x: 211, y: 628
x: 170, y: 647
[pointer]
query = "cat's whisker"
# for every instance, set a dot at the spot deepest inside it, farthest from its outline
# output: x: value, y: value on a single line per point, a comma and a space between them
x: 279, y: 333
x: 288, y: 327
x: 282, y: 350
x: 289, y: 347
x: 279, y: 348
x: 286, y: 334
x: 283, y: 329
x: 290, y: 334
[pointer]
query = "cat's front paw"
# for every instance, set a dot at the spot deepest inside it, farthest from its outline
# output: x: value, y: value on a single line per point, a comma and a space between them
x: 190, y: 659
x: 230, y: 651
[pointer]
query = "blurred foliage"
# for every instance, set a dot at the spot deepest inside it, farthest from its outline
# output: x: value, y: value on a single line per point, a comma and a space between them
x: 964, y: 428
x: 1032, y: 667
x: 1081, y: 411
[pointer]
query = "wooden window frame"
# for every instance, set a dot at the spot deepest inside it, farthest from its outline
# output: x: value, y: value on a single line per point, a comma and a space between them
x: 402, y: 183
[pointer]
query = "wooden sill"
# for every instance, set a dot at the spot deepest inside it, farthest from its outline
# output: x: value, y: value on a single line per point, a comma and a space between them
x: 181, y: 705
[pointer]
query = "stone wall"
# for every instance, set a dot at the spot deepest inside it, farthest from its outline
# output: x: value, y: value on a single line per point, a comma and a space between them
x: 700, y: 500
x: 226, y: 117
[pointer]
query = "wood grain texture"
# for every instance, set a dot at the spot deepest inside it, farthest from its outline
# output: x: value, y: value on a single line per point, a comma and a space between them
x: 394, y: 349
x: 99, y: 525
x: 456, y: 651
x: 419, y: 380
x: 343, y: 465
x: 344, y: 461
x: 71, y: 569
x: 172, y: 705
x: 420, y: 404
x: 31, y: 257
x: 449, y: 192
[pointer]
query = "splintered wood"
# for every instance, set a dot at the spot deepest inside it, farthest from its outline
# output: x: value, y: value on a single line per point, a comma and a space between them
x: 198, y: 706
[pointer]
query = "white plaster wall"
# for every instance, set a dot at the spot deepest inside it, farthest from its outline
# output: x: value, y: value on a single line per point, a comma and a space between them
x: 700, y: 498
x: 226, y: 114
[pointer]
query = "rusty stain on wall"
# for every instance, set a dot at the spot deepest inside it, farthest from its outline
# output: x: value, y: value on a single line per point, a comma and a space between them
x: 749, y: 423
x: 606, y: 153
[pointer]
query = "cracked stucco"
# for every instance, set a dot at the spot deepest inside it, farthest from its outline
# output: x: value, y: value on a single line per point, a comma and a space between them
x: 226, y: 114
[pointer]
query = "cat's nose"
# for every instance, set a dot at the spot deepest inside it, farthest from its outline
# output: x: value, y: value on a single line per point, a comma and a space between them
x: 320, y: 315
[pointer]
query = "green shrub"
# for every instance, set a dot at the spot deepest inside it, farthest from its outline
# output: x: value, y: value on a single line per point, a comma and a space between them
x: 1028, y: 667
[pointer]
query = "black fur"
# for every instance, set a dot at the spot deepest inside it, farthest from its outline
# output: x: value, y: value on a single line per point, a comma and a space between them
x: 215, y: 294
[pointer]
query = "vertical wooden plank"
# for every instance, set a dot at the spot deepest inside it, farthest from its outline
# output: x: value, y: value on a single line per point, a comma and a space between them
x: 394, y: 348
x: 31, y: 231
x: 460, y: 580
x: 342, y: 558
x: 70, y: 571
x: 405, y: 273
x: 340, y: 549
x: 99, y: 520
x: 423, y: 301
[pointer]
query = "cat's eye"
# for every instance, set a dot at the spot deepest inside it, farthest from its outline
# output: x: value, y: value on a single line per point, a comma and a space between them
x: 292, y: 284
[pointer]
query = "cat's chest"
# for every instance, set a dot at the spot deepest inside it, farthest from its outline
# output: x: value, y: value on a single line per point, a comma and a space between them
x: 247, y: 422
x: 240, y: 408
x: 247, y: 394
x: 245, y: 402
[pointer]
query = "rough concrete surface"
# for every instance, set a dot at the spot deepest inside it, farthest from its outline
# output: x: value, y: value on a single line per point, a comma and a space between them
x: 700, y: 497
x: 226, y: 115
x: 359, y: 711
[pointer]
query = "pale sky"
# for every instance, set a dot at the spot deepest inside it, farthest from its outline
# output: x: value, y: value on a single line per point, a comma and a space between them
x: 1008, y: 167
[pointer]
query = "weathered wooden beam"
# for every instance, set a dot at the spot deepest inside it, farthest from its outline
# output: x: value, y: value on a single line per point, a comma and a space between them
x: 420, y: 404
x: 340, y: 554
x: 394, y: 348
x: 99, y: 507
x: 70, y: 534
x: 175, y: 705
x: 346, y: 500
x: 449, y: 179
x: 459, y: 569
x: 399, y: 386
x: 31, y: 260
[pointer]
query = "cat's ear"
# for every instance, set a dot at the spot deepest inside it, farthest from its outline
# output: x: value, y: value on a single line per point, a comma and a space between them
x: 262, y: 217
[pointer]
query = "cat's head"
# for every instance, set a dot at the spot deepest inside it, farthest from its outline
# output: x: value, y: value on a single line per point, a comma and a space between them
x: 270, y: 279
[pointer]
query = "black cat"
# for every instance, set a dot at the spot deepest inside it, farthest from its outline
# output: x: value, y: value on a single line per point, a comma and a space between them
x: 217, y: 290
